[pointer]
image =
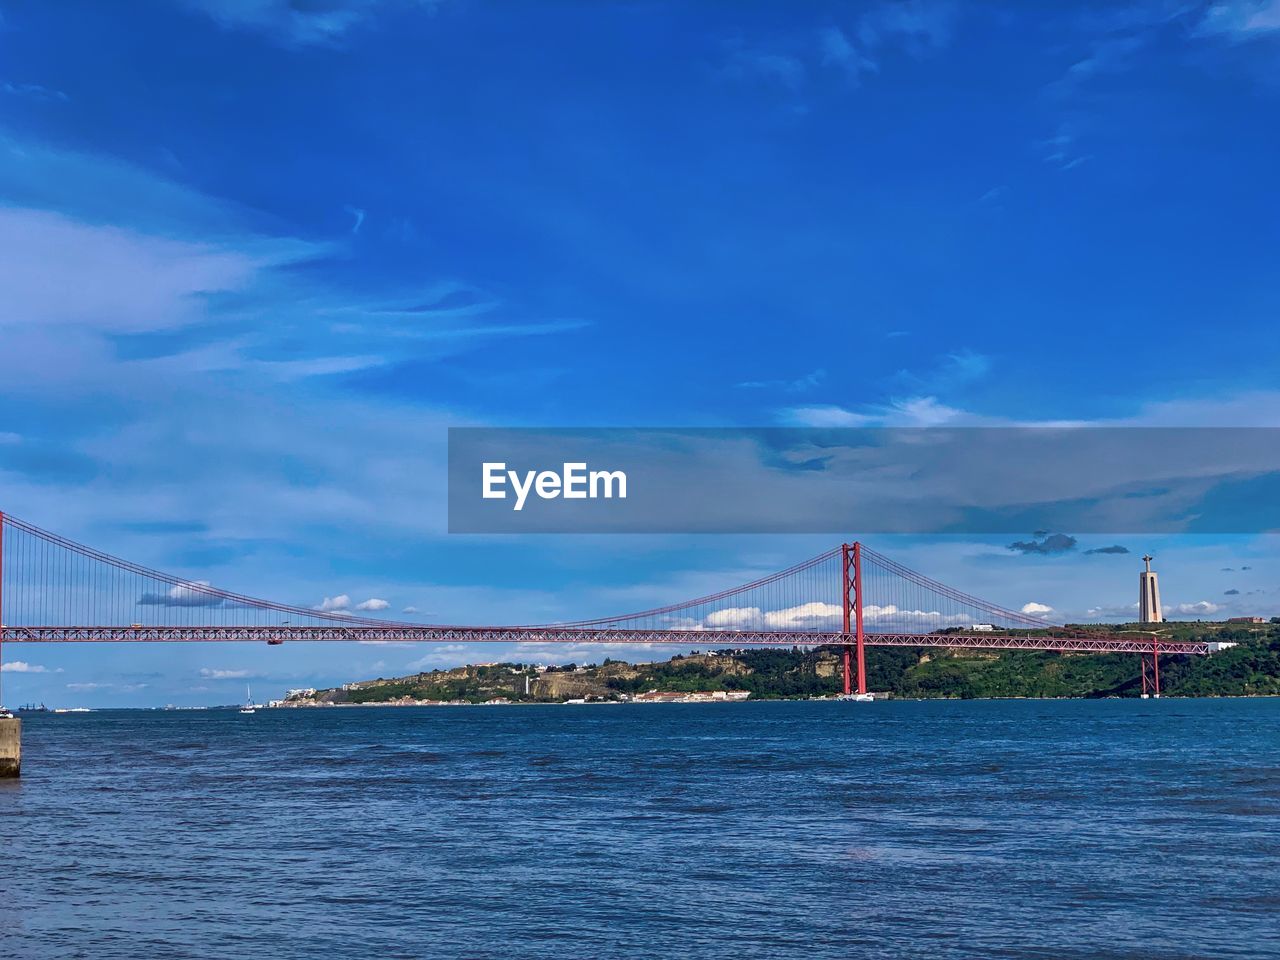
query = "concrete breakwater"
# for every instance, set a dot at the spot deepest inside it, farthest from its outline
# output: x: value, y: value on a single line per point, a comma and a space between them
x: 10, y: 748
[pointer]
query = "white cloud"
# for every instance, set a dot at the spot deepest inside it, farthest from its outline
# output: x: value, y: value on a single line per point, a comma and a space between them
x: 21, y: 666
x: 733, y: 617
x: 409, y: 610
x: 211, y: 674
x: 373, y: 603
x: 335, y: 604
x: 892, y: 614
x: 1036, y: 609
x: 814, y: 614
x: 826, y: 616
x: 1199, y: 609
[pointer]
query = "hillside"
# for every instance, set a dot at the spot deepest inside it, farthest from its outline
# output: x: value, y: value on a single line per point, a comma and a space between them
x: 1252, y: 668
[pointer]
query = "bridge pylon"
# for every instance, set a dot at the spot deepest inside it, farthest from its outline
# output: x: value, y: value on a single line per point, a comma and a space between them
x: 851, y: 601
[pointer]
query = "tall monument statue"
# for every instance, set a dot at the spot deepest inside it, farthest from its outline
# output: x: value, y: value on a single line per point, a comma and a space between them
x: 1149, y: 595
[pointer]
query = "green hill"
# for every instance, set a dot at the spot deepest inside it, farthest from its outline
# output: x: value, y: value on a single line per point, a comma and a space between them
x: 1252, y: 668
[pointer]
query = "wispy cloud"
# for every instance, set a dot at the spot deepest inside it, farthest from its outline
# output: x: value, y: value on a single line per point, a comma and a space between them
x: 1242, y: 19
x: 948, y: 372
x: 302, y: 24
x: 1061, y: 150
x: 1112, y: 54
x: 60, y: 271
x: 920, y: 26
x: 446, y: 655
x: 34, y: 91
x: 746, y: 63
x: 854, y: 48
x: 839, y: 51
x: 358, y: 215
x: 802, y: 384
x: 825, y: 415
x: 1119, y: 39
x: 908, y: 412
x: 919, y: 408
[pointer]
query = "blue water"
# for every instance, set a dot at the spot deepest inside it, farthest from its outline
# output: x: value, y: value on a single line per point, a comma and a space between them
x: 945, y: 829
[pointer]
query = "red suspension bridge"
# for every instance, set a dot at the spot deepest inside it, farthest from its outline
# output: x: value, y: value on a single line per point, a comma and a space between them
x: 54, y: 590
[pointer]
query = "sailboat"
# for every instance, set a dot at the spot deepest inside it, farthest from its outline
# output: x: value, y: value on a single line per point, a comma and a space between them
x: 248, y: 701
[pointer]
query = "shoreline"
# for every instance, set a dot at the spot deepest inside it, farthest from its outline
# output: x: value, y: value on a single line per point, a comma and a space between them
x: 433, y: 704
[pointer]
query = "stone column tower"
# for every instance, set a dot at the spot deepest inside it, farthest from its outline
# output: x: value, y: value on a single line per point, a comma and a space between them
x: 1149, y: 595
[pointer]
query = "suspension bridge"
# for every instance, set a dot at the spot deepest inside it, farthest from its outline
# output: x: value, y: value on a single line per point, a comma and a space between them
x: 55, y: 590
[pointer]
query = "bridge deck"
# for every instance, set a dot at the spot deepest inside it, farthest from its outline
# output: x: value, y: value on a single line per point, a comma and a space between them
x: 394, y: 633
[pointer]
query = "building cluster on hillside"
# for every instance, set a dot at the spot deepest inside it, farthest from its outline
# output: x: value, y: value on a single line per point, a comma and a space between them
x: 698, y: 696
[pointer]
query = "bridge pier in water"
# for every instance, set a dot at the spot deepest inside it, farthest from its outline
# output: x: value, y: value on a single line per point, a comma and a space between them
x: 1151, y: 672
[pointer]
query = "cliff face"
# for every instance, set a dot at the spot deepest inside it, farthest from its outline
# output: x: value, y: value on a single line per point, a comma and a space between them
x: 569, y: 686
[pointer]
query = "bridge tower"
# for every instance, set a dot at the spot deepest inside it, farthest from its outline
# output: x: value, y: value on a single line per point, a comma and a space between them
x: 851, y: 600
x: 1, y: 607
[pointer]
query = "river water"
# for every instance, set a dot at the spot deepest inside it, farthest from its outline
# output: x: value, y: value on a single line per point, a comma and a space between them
x: 1047, y: 829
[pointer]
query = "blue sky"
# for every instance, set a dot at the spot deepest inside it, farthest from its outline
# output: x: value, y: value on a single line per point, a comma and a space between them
x: 254, y: 260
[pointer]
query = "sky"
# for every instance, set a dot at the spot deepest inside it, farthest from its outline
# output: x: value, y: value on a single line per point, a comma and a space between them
x: 257, y: 256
